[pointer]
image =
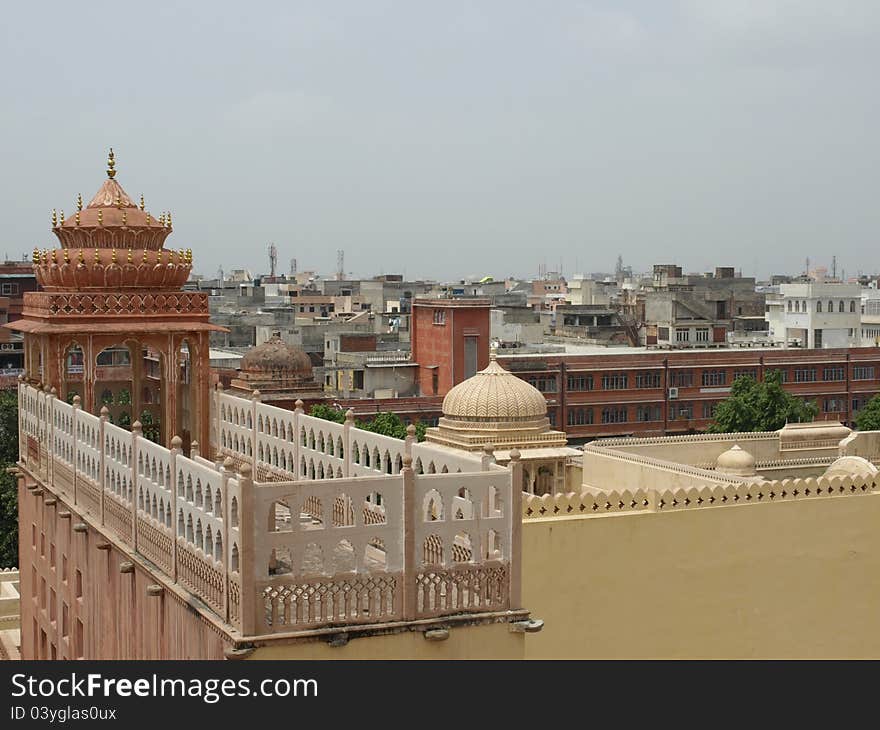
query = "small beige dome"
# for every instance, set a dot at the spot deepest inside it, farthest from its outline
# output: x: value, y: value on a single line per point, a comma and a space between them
x: 275, y: 355
x: 736, y: 461
x: 851, y: 466
x: 494, y: 394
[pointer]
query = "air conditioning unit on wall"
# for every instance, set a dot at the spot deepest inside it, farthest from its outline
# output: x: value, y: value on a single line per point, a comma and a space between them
x: 673, y: 393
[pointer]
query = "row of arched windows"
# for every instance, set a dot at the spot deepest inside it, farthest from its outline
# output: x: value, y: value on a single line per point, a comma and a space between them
x: 801, y: 306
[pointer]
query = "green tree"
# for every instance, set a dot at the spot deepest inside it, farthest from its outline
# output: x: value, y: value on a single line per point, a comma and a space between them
x: 8, y: 484
x: 388, y: 424
x: 760, y: 406
x: 869, y: 417
x: 328, y: 413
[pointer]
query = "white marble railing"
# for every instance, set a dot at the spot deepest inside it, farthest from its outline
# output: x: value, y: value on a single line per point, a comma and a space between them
x: 292, y: 550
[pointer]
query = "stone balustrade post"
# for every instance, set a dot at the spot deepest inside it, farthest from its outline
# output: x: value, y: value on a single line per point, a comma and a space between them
x: 225, y: 470
x: 255, y: 398
x: 515, y: 512
x: 409, y: 440
x: 51, y: 396
x: 410, y: 516
x: 347, y: 426
x: 248, y: 527
x: 487, y: 458
x: 297, y: 439
x: 176, y: 443
x: 136, y: 435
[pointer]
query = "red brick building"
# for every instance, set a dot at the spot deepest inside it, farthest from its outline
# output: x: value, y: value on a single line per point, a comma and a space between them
x: 450, y: 341
x: 656, y: 393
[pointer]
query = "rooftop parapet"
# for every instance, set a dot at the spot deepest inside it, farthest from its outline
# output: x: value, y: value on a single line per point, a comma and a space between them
x: 296, y: 523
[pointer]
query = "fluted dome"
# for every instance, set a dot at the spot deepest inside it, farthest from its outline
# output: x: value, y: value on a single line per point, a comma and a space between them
x: 851, y: 466
x: 736, y: 461
x: 276, y: 356
x: 494, y: 394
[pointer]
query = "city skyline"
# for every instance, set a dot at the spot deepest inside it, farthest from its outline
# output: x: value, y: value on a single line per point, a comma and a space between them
x: 710, y: 132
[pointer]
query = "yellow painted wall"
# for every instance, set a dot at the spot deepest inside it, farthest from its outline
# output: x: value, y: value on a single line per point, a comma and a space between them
x: 779, y: 579
x: 493, y: 641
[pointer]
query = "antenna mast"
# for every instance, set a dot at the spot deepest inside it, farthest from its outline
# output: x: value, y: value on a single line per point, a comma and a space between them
x: 273, y: 259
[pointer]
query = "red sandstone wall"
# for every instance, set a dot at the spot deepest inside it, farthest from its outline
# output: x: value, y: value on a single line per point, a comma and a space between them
x: 118, y: 619
x: 441, y: 346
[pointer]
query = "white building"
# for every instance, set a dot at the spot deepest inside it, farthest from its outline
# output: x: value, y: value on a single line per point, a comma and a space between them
x: 816, y: 315
x: 870, y: 317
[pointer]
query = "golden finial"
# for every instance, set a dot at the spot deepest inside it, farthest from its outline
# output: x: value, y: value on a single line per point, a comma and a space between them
x: 142, y: 201
x: 113, y: 256
x: 180, y: 256
x: 79, y: 201
x: 97, y: 256
x: 77, y: 217
x: 81, y: 259
x: 54, y: 256
x: 124, y: 217
x: 149, y: 220
x: 168, y: 219
x: 129, y: 255
x: 36, y: 256
x: 45, y: 257
x: 66, y: 256
x: 118, y: 200
x: 162, y: 219
x: 189, y: 256
x: 100, y: 217
x: 54, y: 218
x: 62, y: 217
x: 144, y: 259
x: 111, y: 164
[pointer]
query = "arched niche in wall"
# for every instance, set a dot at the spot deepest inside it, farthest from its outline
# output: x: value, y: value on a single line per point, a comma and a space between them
x: 187, y: 393
x: 73, y: 372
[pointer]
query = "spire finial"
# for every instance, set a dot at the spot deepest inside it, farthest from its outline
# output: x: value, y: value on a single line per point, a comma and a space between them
x: 168, y: 219
x: 111, y: 164
x: 79, y: 201
x: 493, y: 353
x: 100, y: 217
x: 124, y: 217
x: 54, y: 218
x: 143, y: 205
x: 61, y: 218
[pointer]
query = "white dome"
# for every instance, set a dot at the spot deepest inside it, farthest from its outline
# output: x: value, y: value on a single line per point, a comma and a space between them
x: 736, y: 461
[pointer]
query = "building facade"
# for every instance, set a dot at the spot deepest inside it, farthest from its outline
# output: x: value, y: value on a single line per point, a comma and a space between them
x: 450, y: 341
x: 816, y: 315
x: 658, y: 393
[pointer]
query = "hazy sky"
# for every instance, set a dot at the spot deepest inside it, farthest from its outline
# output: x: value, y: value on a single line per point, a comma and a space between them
x: 449, y: 139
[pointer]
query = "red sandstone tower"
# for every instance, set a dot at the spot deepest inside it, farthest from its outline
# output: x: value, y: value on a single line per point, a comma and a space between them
x: 112, y: 326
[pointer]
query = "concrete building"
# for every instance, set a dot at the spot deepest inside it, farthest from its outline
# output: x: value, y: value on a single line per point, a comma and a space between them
x: 682, y: 311
x: 814, y: 315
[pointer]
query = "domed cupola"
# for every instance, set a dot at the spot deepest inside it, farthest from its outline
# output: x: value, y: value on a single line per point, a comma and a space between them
x: 111, y: 243
x: 277, y: 358
x: 495, y: 407
x: 737, y: 462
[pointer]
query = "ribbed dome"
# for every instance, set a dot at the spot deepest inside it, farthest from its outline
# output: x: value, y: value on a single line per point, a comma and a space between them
x: 851, y: 466
x: 494, y: 394
x: 736, y: 461
x: 275, y: 355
